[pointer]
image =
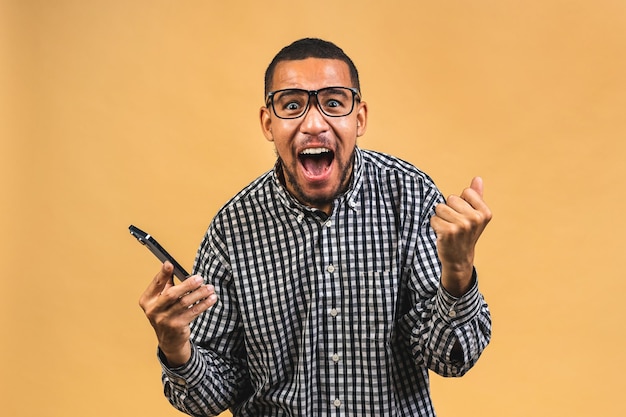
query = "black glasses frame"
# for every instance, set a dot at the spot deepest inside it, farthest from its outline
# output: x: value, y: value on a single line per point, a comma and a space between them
x: 269, y: 101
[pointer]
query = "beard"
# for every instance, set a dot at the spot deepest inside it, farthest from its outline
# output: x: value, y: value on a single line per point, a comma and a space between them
x: 289, y: 176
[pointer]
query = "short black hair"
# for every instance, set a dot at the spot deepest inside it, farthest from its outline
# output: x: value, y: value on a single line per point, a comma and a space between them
x: 311, y: 48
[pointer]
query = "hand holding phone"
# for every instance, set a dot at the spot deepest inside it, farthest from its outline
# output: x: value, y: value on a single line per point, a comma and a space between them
x: 158, y: 251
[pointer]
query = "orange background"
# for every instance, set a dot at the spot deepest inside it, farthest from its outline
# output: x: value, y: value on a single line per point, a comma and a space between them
x: 146, y: 112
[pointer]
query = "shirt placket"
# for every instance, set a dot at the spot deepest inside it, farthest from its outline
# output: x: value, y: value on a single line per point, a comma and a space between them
x: 331, y: 308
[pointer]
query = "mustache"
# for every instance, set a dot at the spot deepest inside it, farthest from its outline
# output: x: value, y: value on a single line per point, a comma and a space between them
x: 322, y: 140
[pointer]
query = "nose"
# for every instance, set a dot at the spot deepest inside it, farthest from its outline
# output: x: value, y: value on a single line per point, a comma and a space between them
x: 314, y: 121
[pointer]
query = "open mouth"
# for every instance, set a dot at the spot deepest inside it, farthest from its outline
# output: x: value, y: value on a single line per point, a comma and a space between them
x: 316, y: 161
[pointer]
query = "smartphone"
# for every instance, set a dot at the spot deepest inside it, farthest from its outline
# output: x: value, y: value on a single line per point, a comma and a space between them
x: 158, y: 251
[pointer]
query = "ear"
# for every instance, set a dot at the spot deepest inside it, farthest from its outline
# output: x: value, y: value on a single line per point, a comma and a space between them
x: 266, y: 123
x: 361, y: 118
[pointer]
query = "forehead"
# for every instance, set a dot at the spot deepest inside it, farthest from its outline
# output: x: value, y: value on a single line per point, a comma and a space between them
x: 311, y: 74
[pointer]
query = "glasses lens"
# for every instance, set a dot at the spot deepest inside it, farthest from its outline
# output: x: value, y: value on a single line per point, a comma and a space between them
x: 290, y: 104
x: 336, y: 101
x: 332, y: 101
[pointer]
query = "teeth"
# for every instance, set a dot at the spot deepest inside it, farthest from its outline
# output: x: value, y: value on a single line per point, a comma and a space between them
x: 315, y: 151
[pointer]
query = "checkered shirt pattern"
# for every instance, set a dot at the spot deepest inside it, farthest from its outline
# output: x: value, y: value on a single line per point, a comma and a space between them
x: 339, y: 315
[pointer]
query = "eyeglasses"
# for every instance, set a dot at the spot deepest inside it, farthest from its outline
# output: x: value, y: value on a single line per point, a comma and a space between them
x: 292, y: 103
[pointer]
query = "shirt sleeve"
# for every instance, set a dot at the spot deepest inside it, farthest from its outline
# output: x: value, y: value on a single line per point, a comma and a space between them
x: 447, y: 334
x: 189, y: 390
x: 462, y: 324
x: 215, y: 377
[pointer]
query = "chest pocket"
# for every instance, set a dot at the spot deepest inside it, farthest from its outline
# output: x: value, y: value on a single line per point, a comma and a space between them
x: 379, y: 291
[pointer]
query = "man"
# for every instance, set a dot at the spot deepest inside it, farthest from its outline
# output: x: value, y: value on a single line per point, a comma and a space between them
x: 332, y: 283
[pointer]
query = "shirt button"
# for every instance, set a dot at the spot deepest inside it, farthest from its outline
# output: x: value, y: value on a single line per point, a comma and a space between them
x: 329, y: 223
x: 335, y: 357
x: 337, y: 402
x: 452, y: 313
x: 334, y: 312
x: 330, y: 268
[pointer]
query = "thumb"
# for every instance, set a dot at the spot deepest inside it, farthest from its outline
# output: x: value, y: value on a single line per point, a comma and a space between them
x: 477, y: 185
x: 163, y: 280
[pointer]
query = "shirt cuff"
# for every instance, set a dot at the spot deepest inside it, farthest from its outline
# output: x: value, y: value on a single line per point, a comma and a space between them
x: 187, y: 375
x: 457, y: 311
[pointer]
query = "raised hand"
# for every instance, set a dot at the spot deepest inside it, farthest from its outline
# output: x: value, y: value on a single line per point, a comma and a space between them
x: 458, y: 224
x: 171, y: 308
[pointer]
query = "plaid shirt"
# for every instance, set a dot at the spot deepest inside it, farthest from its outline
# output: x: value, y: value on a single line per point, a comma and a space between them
x: 338, y: 315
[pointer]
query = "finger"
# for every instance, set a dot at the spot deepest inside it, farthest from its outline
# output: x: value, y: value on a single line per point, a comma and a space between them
x: 477, y: 185
x: 192, y: 311
x: 461, y: 210
x: 476, y: 205
x: 189, y: 307
x: 462, y: 203
x: 448, y: 221
x: 438, y: 224
x: 474, y: 196
x: 474, y: 192
x: 158, y: 284
x: 176, y: 292
x: 199, y: 296
x: 160, y: 281
x: 449, y: 211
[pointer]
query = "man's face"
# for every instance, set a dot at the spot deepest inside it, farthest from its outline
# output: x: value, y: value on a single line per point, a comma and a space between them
x: 316, y: 150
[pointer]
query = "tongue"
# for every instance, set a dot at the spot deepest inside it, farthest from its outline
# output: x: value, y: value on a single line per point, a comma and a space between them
x: 316, y: 165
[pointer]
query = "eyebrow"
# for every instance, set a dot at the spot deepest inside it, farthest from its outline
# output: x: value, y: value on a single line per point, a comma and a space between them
x: 290, y: 92
x: 335, y: 90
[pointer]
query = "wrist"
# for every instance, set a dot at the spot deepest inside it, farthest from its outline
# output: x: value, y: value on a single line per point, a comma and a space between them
x: 176, y: 357
x: 457, y: 281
